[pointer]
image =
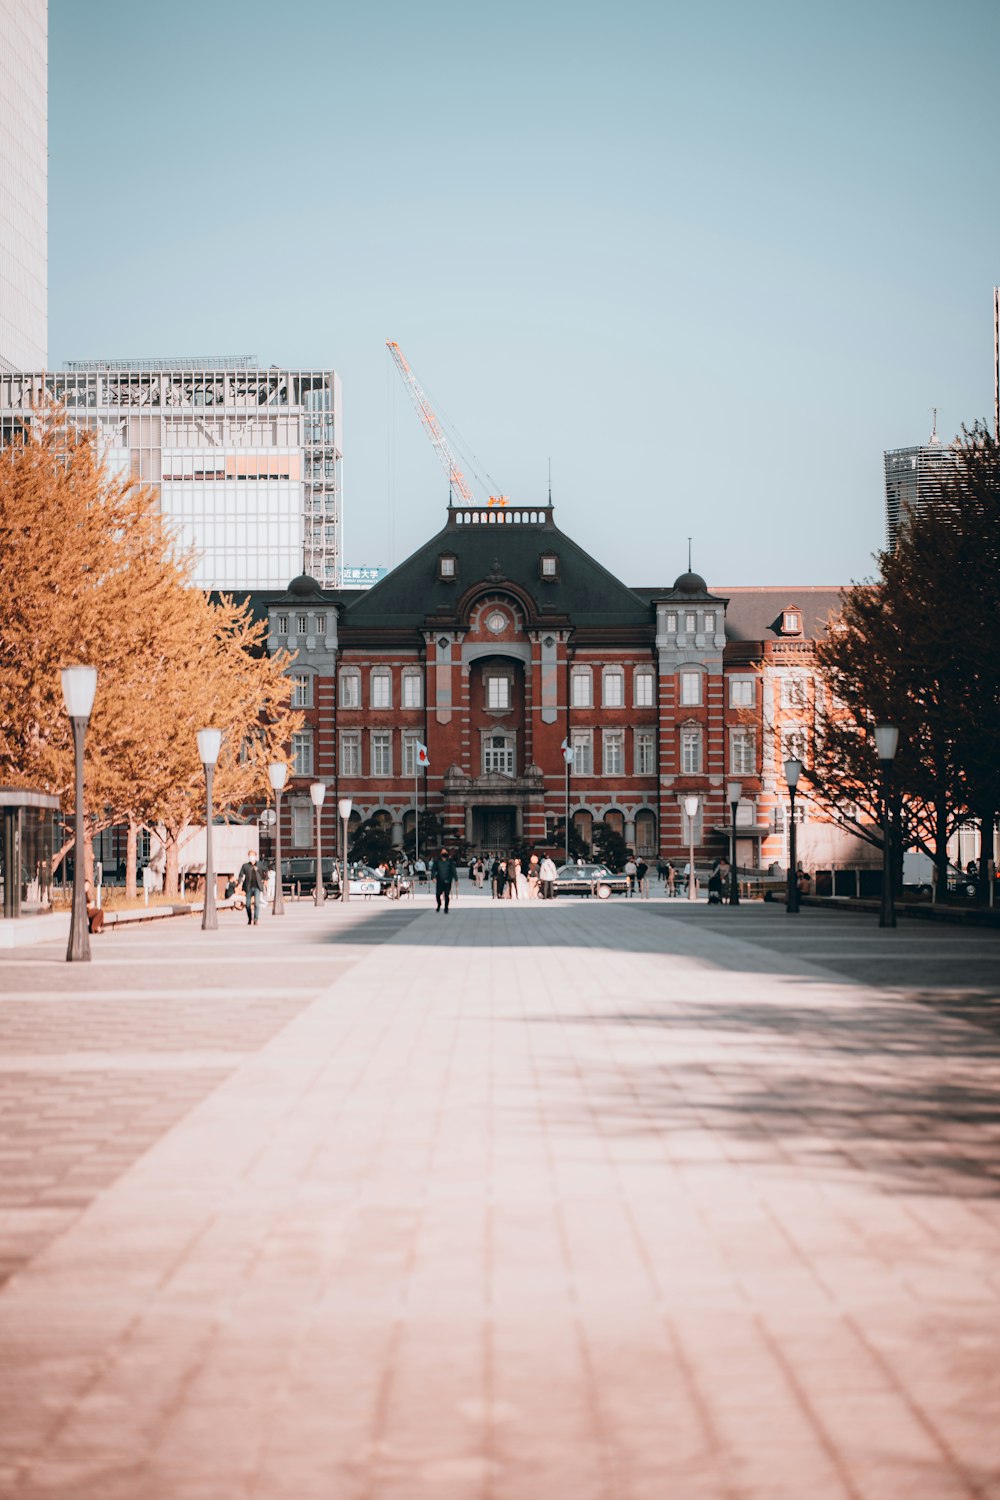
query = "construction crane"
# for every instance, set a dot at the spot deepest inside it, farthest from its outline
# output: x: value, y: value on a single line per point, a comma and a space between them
x: 433, y: 429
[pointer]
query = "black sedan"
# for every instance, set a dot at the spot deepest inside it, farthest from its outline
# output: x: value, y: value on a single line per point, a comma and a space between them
x: 588, y: 880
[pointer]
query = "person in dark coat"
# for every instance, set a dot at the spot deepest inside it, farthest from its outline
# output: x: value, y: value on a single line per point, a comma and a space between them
x: 251, y: 882
x: 444, y: 873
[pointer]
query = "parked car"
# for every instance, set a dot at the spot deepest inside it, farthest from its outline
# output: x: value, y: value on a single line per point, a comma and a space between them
x: 588, y: 880
x: 301, y: 872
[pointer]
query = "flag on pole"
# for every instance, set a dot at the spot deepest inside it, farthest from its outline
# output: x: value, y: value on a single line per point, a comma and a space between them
x: 423, y: 759
x: 567, y: 750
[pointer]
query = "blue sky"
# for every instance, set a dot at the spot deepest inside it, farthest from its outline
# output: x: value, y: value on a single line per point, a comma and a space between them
x: 711, y: 260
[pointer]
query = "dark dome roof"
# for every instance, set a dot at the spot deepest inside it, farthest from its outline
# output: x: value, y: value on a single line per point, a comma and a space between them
x: 303, y: 586
x: 691, y: 583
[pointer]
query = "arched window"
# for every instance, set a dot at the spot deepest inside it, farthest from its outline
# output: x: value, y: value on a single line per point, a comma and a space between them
x: 615, y: 820
x: 583, y: 822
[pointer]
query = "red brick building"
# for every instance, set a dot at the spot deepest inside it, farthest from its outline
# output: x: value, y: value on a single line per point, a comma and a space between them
x: 501, y: 640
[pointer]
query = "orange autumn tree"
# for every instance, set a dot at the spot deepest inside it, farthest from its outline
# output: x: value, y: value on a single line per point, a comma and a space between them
x: 92, y: 574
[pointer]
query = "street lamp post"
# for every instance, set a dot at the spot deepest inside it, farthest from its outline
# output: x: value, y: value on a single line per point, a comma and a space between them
x: 79, y: 685
x: 277, y: 772
x: 318, y: 793
x: 887, y: 743
x: 793, y: 770
x: 344, y: 808
x: 209, y: 745
x: 734, y: 791
x: 691, y: 806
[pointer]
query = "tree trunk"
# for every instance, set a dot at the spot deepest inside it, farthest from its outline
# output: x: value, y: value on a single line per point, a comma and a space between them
x: 941, y: 848
x: 131, y: 854
x: 986, y: 825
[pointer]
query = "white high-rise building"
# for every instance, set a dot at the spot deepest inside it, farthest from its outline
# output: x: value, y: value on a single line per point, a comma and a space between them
x: 245, y: 461
x: 24, y: 184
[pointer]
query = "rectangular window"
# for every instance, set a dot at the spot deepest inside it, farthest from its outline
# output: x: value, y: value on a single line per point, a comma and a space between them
x: 350, y: 690
x: 742, y: 752
x: 549, y: 567
x: 614, y: 688
x: 321, y: 619
x: 643, y: 690
x: 381, y: 690
x: 710, y: 623
x: 690, y: 624
x: 794, y: 693
x: 498, y: 692
x: 282, y: 624
x: 690, y: 752
x: 795, y: 745
x: 583, y: 753
x: 498, y: 754
x: 302, y: 754
x: 381, y: 753
x: 741, y: 692
x: 410, y: 743
x: 671, y: 621
x: 582, y: 695
x: 302, y: 690
x: 411, y: 690
x: 302, y: 624
x: 614, y: 752
x: 302, y: 821
x: 644, y: 750
x: 690, y: 688
x: 350, y: 753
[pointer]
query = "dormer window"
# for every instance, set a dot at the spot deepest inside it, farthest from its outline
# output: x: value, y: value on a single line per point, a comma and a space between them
x: 282, y: 624
x: 548, y: 566
x: 791, y: 622
x: 448, y: 566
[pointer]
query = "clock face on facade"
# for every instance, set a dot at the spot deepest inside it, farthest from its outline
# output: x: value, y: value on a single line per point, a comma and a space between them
x: 496, y: 622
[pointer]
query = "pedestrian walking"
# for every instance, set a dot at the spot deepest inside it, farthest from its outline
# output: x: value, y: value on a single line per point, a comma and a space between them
x: 547, y: 875
x: 641, y: 878
x: 251, y: 883
x: 444, y: 873
x: 630, y: 871
x: 671, y: 879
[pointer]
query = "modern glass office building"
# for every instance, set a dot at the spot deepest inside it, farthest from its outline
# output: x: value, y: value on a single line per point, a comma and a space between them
x: 912, y: 483
x: 23, y: 184
x: 246, y: 461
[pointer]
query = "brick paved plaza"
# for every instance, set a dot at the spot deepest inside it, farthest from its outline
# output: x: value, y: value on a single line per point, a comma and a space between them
x: 617, y: 1201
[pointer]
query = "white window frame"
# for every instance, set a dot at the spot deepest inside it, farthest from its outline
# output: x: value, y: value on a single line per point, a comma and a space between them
x: 613, y: 752
x: 643, y: 741
x: 690, y: 623
x: 302, y: 752
x: 412, y: 690
x: 350, y: 752
x: 582, y: 742
x: 581, y: 681
x: 795, y: 743
x: 742, y: 751
x: 690, y: 680
x: 380, y: 675
x: 302, y: 690
x: 742, y: 692
x: 321, y: 619
x: 301, y: 624
x: 499, y: 759
x: 498, y: 684
x: 302, y: 825
x: 282, y: 624
x: 643, y: 688
x: 794, y: 692
x: 410, y: 743
x: 350, y: 675
x: 710, y: 622
x: 692, y: 750
x: 613, y: 687
x: 381, y: 741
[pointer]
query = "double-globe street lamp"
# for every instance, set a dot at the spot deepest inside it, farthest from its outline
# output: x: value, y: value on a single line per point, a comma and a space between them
x: 318, y: 794
x: 887, y: 743
x: 691, y: 806
x: 79, y: 684
x: 344, y: 808
x: 209, y: 745
x: 734, y: 791
x: 277, y: 773
x: 793, y: 770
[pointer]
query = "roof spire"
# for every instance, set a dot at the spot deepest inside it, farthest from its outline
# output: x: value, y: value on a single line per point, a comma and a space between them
x: 934, y: 439
x: 689, y: 554
x: 550, y: 482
